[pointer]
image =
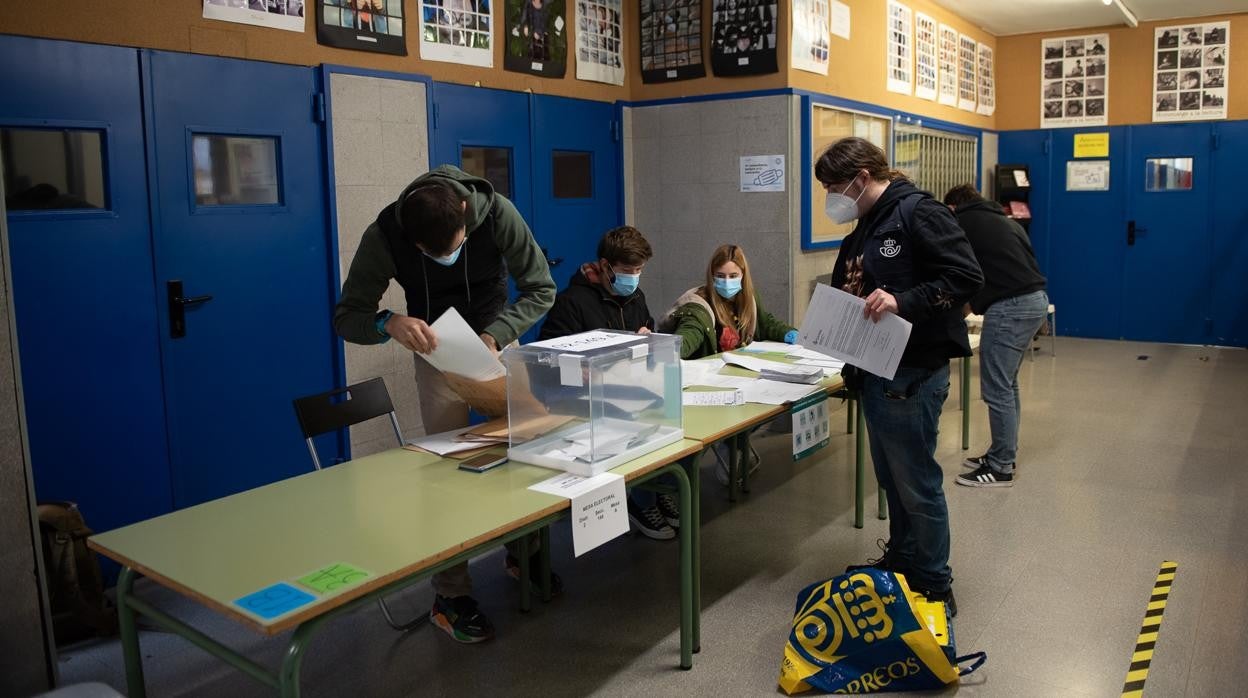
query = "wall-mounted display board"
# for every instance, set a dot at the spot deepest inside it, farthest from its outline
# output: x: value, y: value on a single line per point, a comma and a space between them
x: 1074, y: 86
x: 1190, y: 64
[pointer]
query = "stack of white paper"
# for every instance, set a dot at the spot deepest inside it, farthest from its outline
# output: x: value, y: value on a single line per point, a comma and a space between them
x: 714, y: 398
x: 835, y: 325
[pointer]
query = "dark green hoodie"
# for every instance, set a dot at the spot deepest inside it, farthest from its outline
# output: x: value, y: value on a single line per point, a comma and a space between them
x: 498, y: 242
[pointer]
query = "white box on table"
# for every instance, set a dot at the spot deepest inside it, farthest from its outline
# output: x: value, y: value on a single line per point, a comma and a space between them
x: 589, y: 402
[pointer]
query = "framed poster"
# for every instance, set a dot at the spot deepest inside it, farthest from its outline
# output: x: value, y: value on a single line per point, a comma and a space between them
x: 1087, y: 175
x: 599, y: 48
x: 967, y: 86
x: 987, y: 82
x: 1074, y: 85
x: 810, y: 36
x: 926, y: 69
x: 275, y: 14
x: 671, y: 40
x: 900, y: 48
x: 363, y: 25
x: 457, y: 31
x: 1190, y: 66
x: 743, y: 37
x: 948, y: 48
x: 536, y: 41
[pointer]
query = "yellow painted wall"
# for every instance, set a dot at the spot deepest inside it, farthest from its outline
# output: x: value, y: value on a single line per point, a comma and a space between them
x: 857, y: 66
x: 178, y: 25
x: 1130, y: 73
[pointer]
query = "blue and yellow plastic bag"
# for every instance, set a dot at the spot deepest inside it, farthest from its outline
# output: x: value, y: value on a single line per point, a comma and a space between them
x: 867, y: 632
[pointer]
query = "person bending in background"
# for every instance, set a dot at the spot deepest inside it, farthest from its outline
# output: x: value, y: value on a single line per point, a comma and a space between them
x: 724, y: 314
x: 606, y: 295
x: 1014, y: 305
x: 449, y: 241
x: 906, y: 256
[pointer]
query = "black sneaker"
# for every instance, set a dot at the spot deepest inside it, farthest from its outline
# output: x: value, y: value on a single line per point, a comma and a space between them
x: 461, y: 619
x: 975, y: 463
x: 985, y: 477
x: 669, y: 506
x: 650, y: 522
x: 945, y: 597
x: 512, y: 565
x: 883, y: 562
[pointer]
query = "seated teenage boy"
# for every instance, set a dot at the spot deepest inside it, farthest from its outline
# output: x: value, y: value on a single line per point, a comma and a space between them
x: 605, y: 295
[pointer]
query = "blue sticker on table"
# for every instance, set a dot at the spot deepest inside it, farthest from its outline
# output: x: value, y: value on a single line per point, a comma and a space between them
x: 273, y: 601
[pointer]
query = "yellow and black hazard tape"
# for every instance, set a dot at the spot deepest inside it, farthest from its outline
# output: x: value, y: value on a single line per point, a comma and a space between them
x: 1142, y: 658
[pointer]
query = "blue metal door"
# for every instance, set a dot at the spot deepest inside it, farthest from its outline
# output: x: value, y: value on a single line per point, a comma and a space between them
x: 575, y: 179
x: 84, y: 297
x: 240, y: 200
x: 1166, y: 236
x: 1229, y: 225
x: 486, y: 133
x: 1086, y: 240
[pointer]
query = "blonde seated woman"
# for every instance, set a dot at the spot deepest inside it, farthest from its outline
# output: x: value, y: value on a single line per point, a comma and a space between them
x: 724, y: 314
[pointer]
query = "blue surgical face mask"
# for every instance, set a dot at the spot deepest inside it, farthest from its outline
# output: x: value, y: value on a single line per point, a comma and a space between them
x: 728, y: 288
x: 451, y: 258
x: 625, y: 284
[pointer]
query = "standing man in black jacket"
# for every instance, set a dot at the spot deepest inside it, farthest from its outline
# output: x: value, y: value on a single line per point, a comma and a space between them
x: 906, y: 256
x: 1014, y: 305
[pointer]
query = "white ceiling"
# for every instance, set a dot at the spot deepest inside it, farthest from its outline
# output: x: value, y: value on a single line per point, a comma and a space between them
x: 1005, y: 17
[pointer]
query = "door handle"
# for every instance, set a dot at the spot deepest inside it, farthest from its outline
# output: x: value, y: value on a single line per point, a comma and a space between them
x: 178, y: 305
x: 1132, y: 231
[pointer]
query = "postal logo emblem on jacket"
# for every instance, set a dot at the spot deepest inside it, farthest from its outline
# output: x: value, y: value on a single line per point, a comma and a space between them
x: 890, y: 248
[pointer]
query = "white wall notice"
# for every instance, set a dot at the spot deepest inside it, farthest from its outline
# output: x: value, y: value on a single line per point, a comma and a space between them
x: 762, y: 173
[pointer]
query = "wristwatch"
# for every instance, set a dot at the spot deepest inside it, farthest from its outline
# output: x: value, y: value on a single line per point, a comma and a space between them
x: 380, y: 323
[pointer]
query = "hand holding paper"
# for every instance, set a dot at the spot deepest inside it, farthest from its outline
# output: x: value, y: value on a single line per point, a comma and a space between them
x: 461, y: 351
x: 836, y: 325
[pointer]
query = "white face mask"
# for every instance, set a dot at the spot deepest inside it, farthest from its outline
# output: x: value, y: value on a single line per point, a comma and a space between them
x: 839, y: 207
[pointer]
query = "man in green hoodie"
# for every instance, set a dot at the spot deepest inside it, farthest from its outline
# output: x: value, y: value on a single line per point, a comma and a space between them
x: 449, y: 241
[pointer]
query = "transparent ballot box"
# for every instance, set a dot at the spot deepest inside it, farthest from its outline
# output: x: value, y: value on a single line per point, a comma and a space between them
x: 589, y: 402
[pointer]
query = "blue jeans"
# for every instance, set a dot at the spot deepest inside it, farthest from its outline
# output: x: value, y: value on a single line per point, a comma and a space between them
x: 903, y: 419
x: 1009, y: 325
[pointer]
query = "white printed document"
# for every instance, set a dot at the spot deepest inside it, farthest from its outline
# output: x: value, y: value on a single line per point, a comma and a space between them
x: 585, y: 341
x: 461, y: 351
x: 445, y: 443
x: 713, y: 398
x: 835, y: 326
x: 599, y: 507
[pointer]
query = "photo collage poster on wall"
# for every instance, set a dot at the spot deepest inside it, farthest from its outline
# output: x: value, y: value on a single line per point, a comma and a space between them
x: 926, y: 69
x: 363, y: 25
x: 599, y: 41
x: 811, y: 35
x: 536, y: 41
x: 1074, y: 86
x: 967, y: 85
x: 1190, y: 65
x: 275, y: 14
x: 743, y: 37
x: 457, y: 31
x: 671, y: 40
x: 948, y: 87
x: 900, y: 49
x: 987, y: 82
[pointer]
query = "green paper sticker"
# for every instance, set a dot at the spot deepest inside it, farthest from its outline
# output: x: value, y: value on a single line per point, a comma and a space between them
x: 333, y: 578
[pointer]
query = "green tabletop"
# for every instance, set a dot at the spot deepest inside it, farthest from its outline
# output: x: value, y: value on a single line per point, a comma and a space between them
x: 711, y: 424
x: 390, y: 514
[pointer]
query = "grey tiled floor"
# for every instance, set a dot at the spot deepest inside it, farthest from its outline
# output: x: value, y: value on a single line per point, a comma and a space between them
x: 1124, y: 463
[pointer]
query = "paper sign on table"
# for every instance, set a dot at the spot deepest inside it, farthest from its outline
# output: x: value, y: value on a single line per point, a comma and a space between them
x: 713, y: 398
x: 599, y: 509
x: 835, y: 326
x: 271, y: 602
x: 334, y: 577
x: 585, y: 341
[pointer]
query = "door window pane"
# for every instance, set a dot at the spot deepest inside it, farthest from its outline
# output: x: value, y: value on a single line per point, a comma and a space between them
x: 491, y: 164
x: 1168, y: 174
x: 828, y: 125
x: 573, y: 174
x: 235, y: 170
x: 49, y: 169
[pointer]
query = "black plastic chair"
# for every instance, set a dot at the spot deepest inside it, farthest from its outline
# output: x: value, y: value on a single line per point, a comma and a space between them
x: 339, y: 409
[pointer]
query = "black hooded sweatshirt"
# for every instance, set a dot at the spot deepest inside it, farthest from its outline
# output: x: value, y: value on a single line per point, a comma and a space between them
x: 925, y: 262
x: 585, y: 305
x: 1003, y: 251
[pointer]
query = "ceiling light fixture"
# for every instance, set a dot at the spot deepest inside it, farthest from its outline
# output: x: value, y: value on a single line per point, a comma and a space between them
x: 1127, y: 14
